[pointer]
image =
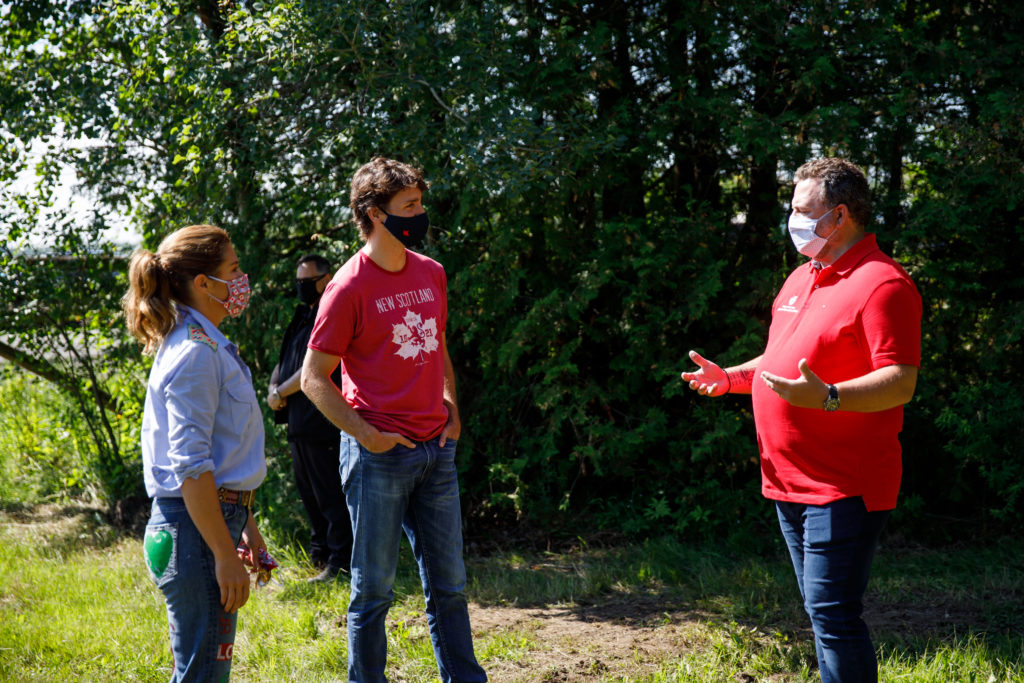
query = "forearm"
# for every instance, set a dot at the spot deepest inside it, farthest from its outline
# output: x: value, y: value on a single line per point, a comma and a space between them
x: 200, y: 496
x: 878, y: 390
x: 291, y: 385
x: 450, y: 398
x: 741, y: 377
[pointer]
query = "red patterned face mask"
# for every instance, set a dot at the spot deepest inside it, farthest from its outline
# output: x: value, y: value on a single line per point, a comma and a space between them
x: 238, y: 294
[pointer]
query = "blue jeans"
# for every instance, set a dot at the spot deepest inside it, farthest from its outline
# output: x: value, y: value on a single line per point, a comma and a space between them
x: 832, y: 547
x: 182, y: 566
x: 415, y: 489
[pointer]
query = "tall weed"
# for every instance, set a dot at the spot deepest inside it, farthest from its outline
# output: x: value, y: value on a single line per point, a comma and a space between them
x: 39, y: 444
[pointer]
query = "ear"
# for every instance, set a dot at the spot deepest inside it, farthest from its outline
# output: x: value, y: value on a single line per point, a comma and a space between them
x: 321, y: 284
x: 842, y: 213
x: 200, y: 281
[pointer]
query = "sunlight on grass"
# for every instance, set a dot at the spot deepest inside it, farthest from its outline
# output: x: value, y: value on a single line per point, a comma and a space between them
x: 76, y: 604
x: 967, y: 658
x: 507, y: 646
x: 731, y: 652
x: 72, y: 611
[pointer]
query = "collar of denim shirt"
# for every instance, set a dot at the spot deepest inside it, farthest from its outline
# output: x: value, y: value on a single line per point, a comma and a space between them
x: 215, y: 334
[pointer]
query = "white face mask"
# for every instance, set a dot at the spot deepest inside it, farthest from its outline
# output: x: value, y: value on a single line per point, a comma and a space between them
x: 802, y: 232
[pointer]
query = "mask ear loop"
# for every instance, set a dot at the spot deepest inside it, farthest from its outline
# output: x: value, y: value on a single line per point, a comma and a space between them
x: 835, y: 226
x: 222, y: 302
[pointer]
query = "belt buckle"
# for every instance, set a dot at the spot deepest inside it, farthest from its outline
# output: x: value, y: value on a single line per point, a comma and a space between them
x: 246, y: 498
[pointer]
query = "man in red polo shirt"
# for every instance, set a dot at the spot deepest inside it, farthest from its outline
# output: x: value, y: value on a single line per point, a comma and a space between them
x: 844, y: 348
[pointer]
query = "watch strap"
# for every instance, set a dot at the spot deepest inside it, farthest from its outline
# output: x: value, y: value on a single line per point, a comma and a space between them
x: 832, y: 400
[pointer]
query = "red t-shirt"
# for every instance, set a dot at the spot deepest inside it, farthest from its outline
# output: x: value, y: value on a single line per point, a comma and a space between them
x: 387, y: 329
x: 858, y: 315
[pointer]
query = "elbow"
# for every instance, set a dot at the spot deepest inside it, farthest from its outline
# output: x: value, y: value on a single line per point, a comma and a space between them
x: 907, y: 385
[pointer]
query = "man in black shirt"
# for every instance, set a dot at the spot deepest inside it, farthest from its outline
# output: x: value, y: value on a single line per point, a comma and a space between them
x: 313, y: 440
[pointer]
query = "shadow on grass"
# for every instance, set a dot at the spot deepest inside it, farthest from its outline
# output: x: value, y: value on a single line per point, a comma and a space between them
x: 65, y: 527
x: 920, y: 594
x: 917, y: 597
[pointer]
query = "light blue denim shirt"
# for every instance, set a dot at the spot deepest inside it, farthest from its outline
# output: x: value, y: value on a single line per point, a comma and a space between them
x: 201, y: 412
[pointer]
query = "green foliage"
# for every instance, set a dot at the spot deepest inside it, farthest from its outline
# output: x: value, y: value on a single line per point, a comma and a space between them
x: 57, y: 314
x: 47, y: 449
x: 38, y: 459
x: 609, y: 183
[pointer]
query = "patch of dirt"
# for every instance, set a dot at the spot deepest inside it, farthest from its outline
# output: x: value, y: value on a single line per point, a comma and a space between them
x: 50, y: 520
x: 634, y: 637
x: 589, y: 643
x: 938, y: 617
x: 60, y: 526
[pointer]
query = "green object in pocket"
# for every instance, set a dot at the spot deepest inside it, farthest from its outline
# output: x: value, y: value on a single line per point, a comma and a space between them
x: 158, y: 546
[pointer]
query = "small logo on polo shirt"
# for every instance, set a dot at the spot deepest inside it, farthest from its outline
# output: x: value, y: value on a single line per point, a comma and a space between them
x: 789, y: 307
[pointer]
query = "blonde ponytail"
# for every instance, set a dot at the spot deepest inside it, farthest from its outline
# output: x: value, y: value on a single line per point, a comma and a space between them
x: 147, y: 303
x: 157, y: 280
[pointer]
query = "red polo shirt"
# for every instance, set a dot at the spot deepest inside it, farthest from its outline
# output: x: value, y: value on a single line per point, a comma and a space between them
x: 860, y: 314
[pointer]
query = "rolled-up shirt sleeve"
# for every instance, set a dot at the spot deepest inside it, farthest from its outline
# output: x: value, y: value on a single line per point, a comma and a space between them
x: 191, y: 399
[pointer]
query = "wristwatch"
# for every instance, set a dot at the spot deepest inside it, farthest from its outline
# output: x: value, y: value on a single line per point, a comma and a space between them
x: 832, y: 402
x: 277, y: 395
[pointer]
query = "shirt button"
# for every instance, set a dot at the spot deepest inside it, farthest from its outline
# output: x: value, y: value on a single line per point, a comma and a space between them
x: 815, y: 286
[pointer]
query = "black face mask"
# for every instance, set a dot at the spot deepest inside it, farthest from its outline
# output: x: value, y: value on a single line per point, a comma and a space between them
x: 410, y: 231
x: 305, y: 288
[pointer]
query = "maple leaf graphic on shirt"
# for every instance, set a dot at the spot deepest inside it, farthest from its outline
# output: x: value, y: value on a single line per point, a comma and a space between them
x: 415, y: 336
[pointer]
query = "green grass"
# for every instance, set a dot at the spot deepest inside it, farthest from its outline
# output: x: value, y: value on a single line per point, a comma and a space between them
x: 76, y: 604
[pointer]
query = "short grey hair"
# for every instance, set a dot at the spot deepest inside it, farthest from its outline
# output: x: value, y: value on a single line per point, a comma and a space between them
x: 842, y: 182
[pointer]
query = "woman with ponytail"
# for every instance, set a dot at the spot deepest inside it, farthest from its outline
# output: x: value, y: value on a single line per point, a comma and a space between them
x: 202, y: 442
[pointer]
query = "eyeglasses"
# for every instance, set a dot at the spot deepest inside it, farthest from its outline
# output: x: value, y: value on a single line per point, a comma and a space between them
x: 315, y: 278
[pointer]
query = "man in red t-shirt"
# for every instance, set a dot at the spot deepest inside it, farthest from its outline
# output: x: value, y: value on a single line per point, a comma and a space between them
x: 843, y: 353
x: 383, y: 319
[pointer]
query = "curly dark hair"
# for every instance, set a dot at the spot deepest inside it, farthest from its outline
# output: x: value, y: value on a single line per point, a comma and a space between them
x: 375, y: 183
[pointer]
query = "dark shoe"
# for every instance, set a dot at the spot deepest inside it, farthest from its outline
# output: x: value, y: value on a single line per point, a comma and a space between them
x: 328, y: 574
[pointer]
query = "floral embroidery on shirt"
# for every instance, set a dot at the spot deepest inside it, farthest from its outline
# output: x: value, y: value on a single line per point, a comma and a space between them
x: 198, y: 334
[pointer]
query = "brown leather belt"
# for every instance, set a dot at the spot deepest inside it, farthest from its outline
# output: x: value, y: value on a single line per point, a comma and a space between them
x: 233, y: 497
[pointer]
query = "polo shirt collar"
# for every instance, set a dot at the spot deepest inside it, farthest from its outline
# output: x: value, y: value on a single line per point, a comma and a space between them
x: 853, y: 256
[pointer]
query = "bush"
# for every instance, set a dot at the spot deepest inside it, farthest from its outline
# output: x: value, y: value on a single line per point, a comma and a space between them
x: 39, y: 442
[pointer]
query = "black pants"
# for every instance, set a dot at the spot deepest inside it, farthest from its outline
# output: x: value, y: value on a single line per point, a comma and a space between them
x: 318, y: 478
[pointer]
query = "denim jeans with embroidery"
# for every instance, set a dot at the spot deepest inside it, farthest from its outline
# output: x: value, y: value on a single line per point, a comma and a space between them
x: 182, y: 566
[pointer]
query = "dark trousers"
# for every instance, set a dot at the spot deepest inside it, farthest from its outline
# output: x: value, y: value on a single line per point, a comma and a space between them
x: 318, y: 478
x: 832, y: 547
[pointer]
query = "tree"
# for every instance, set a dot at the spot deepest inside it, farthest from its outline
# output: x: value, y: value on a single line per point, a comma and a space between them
x: 609, y: 184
